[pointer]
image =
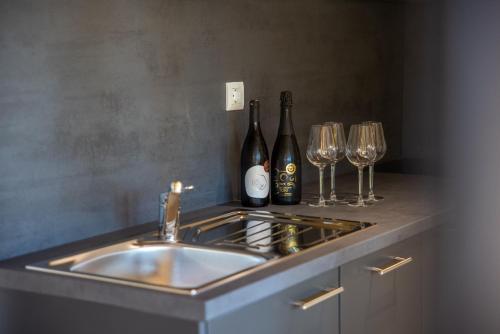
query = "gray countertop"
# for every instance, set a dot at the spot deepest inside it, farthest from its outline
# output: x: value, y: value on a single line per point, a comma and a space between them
x: 412, y: 204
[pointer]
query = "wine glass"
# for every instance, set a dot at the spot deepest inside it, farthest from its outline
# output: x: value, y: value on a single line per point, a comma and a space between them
x: 336, y: 152
x: 320, y: 138
x: 381, y: 148
x: 361, y: 152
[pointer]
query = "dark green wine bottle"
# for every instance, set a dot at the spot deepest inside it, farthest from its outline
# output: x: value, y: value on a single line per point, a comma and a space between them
x: 255, y: 182
x: 286, y: 168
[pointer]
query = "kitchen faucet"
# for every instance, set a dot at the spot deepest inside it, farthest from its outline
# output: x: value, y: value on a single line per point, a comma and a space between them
x: 170, y: 212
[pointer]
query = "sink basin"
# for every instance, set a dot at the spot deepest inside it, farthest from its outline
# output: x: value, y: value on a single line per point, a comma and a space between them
x: 172, y: 267
x: 212, y: 252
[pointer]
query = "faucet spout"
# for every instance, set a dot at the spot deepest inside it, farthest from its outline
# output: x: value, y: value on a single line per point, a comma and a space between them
x: 170, y: 212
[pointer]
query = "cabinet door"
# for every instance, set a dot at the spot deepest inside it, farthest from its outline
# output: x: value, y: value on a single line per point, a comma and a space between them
x: 277, y: 314
x: 388, y: 303
x: 32, y: 313
x: 431, y: 264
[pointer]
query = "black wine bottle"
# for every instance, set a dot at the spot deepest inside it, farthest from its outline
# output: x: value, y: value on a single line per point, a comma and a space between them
x: 286, y: 172
x: 254, y: 163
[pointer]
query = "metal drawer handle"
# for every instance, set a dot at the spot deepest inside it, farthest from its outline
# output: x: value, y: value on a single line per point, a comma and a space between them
x: 318, y: 298
x: 401, y: 261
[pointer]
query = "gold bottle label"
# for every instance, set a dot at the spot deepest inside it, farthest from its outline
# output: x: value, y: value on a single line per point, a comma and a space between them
x: 285, y: 181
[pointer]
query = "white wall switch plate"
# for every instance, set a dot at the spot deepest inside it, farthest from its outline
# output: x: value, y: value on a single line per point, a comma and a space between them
x: 235, y: 96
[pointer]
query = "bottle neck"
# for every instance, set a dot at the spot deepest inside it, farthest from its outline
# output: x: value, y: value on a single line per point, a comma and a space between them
x: 286, y: 124
x: 254, y: 122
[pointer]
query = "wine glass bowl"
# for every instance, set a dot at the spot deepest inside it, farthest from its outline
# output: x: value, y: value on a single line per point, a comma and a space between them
x: 380, y: 143
x: 361, y: 145
x: 317, y: 147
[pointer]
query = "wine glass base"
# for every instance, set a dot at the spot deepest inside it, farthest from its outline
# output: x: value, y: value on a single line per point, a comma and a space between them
x: 338, y: 198
x: 344, y: 198
x: 337, y: 201
x: 374, y: 199
x: 313, y: 200
x: 318, y: 205
x: 356, y: 204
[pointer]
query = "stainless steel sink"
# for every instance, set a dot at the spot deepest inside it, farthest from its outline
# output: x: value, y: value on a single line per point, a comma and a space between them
x: 175, y: 266
x: 178, y: 268
x: 212, y: 251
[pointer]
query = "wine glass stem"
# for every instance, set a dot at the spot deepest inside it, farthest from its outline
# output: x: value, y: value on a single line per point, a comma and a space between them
x: 333, y: 196
x: 321, y: 200
x: 360, y: 185
x: 371, y: 195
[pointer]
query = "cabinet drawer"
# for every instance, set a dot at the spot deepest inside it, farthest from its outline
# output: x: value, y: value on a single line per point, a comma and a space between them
x: 383, y: 294
x: 278, y: 314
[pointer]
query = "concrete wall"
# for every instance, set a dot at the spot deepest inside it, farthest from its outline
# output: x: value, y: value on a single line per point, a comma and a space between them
x: 103, y: 103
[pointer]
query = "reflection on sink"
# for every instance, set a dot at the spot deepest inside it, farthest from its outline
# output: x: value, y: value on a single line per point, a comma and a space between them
x: 172, y: 267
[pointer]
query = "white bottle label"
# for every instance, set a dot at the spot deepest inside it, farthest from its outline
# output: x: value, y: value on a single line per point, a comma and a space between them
x: 257, y: 182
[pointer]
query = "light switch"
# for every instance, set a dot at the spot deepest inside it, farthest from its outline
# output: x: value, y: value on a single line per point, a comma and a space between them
x: 235, y: 96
